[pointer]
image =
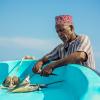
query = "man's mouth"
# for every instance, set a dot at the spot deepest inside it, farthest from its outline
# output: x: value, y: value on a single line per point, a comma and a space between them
x: 64, y: 38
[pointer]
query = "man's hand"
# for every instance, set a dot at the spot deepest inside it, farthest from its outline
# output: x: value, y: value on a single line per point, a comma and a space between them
x: 37, y: 67
x: 47, y: 70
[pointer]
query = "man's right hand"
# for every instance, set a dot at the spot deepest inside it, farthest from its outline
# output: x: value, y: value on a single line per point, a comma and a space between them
x: 37, y: 67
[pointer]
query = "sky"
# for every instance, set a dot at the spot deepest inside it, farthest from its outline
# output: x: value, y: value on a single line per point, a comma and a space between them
x: 27, y: 27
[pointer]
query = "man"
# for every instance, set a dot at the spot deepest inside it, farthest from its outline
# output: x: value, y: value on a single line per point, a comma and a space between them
x: 74, y: 49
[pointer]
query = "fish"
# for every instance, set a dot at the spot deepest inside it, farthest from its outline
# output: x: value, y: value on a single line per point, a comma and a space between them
x: 3, y: 87
x: 11, y: 82
x: 32, y: 87
x: 24, y: 89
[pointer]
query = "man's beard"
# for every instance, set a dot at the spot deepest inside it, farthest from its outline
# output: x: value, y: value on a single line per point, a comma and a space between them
x: 64, y: 38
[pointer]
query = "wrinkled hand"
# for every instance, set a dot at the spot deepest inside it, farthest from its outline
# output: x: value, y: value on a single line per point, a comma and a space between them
x: 37, y: 67
x: 47, y: 70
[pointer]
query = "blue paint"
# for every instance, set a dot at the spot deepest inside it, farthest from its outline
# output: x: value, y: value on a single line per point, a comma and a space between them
x: 80, y: 83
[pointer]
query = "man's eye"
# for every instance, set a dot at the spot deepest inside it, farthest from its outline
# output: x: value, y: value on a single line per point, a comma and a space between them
x: 61, y: 30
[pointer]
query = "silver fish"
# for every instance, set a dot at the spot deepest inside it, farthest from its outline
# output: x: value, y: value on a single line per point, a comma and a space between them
x: 32, y: 87
x: 29, y: 88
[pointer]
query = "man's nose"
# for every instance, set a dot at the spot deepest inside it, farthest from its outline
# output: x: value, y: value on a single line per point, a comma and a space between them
x: 61, y: 33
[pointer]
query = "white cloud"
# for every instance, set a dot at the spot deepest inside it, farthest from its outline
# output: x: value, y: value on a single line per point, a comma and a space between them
x: 25, y: 42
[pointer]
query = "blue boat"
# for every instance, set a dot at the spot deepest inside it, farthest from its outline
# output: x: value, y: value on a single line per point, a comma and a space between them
x: 80, y: 83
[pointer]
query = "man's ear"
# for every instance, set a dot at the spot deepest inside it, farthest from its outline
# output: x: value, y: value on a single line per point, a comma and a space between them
x: 71, y: 27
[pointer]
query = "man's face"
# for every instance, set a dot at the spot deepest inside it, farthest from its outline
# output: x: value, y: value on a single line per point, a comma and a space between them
x: 64, y: 32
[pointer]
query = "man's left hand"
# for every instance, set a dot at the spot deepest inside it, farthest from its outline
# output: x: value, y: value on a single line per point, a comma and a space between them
x: 47, y: 70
